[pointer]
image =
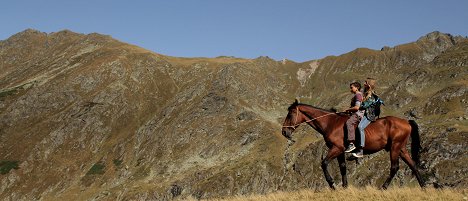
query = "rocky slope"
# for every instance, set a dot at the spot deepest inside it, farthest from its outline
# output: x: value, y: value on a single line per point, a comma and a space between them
x: 89, y: 117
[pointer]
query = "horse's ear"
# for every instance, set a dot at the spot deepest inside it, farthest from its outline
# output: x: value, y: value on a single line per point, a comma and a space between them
x: 296, y: 101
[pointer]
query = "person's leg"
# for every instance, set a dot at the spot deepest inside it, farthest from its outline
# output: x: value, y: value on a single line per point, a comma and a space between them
x: 362, y: 125
x: 353, y: 120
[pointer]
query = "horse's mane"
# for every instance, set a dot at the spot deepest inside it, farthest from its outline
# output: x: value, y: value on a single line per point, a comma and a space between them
x: 332, y: 110
x: 295, y: 104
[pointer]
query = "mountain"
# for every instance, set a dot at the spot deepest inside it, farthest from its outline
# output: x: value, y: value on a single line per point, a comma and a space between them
x: 89, y: 117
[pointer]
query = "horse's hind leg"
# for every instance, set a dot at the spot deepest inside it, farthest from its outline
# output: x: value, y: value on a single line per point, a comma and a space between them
x: 342, y: 163
x: 332, y: 153
x: 407, y: 159
x: 394, y: 156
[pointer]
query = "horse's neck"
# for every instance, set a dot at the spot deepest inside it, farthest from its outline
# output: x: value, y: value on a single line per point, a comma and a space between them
x: 320, y: 119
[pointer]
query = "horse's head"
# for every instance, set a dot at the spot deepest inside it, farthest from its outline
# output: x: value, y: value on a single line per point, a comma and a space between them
x: 292, y: 121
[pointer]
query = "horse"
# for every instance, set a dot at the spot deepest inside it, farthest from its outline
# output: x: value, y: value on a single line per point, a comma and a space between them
x: 389, y: 133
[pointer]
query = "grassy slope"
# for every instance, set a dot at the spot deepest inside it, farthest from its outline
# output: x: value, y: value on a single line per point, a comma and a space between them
x: 356, y: 194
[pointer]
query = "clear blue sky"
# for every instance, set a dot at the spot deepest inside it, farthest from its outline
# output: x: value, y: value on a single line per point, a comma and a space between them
x: 296, y: 29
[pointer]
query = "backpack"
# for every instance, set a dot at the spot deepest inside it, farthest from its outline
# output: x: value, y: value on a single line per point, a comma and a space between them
x: 376, y: 105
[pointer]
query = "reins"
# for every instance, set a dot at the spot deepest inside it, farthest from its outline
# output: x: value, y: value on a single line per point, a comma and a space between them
x: 297, y: 114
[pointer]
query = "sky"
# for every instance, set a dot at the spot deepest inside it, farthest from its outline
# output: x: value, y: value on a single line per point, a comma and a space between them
x: 299, y: 30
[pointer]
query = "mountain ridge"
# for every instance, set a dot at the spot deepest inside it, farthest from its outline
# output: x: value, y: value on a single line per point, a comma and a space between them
x: 102, y: 119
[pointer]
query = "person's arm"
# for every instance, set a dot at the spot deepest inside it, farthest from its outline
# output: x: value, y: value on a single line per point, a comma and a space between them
x: 357, y: 104
x: 353, y: 109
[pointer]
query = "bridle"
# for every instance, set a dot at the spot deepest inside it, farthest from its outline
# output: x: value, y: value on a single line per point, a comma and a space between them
x: 310, y: 119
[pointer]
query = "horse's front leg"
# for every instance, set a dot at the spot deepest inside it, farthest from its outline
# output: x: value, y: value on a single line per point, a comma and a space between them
x: 342, y: 163
x: 333, y: 152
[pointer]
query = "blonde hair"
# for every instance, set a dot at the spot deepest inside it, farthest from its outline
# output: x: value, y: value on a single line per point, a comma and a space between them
x: 371, y: 83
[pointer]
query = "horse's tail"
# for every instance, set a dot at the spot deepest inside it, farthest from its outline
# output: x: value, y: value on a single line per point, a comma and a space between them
x: 415, y: 142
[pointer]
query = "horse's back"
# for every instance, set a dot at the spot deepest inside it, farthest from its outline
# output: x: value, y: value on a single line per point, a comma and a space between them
x: 396, y: 123
x: 385, y: 130
x: 393, y: 118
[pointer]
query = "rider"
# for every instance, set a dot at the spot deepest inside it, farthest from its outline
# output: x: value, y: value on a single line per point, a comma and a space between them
x: 356, y: 114
x: 369, y: 115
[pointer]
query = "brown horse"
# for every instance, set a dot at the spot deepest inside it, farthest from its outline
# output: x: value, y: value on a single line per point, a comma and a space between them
x: 389, y: 133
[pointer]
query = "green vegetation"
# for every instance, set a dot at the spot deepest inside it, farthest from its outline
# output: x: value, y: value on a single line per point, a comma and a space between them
x: 117, y: 162
x: 97, y: 168
x: 15, y: 90
x: 6, y: 166
x: 8, y: 92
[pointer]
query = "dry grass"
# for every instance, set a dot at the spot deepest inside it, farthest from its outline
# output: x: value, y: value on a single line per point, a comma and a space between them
x: 352, y: 194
